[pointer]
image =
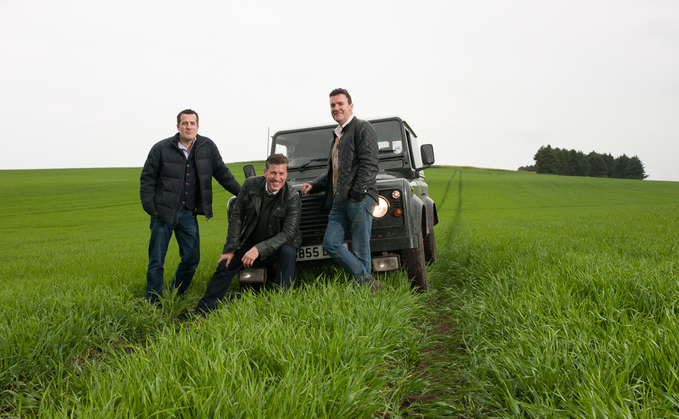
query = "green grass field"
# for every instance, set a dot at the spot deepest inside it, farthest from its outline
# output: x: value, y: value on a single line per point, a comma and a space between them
x: 552, y: 297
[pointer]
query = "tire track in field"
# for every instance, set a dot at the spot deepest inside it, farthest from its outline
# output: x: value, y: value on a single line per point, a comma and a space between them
x: 459, y: 198
x: 445, y: 194
x: 459, y: 192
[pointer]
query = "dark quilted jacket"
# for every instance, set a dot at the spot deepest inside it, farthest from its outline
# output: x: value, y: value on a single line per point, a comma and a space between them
x: 358, y: 165
x: 163, y: 175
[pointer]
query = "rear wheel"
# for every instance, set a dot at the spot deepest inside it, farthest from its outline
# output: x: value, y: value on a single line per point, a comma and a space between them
x: 414, y: 261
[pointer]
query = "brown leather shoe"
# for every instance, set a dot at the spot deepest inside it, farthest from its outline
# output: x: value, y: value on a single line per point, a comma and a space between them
x: 376, y: 286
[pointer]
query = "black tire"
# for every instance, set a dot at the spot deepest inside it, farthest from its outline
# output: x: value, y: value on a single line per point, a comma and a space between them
x: 430, y: 247
x: 415, y: 264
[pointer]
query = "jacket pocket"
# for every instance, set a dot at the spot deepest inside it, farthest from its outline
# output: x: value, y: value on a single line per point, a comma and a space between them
x: 278, y: 212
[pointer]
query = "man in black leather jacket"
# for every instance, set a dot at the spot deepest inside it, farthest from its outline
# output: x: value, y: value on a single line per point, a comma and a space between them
x: 264, y: 224
x: 176, y: 186
x: 350, y: 189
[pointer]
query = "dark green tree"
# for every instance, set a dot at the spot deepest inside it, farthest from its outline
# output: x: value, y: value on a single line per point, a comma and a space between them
x: 610, y: 164
x: 561, y: 161
x: 545, y: 161
x: 578, y: 165
x: 635, y: 169
x: 598, y: 167
x: 558, y: 161
x: 621, y: 167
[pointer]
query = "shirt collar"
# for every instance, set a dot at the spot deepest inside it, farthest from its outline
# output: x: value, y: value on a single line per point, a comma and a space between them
x: 183, y: 148
x: 266, y: 188
x: 340, y: 128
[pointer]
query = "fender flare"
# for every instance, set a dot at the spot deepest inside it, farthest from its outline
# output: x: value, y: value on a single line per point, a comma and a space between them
x: 416, y: 206
x: 432, y: 218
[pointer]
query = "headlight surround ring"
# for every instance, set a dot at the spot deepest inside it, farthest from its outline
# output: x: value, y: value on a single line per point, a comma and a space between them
x: 382, y: 207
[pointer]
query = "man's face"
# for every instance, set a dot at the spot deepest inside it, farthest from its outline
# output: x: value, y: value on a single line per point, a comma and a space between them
x: 187, y: 127
x: 340, y: 108
x: 276, y: 176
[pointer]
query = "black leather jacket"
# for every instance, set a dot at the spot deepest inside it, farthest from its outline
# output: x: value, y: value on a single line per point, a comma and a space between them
x: 358, y: 165
x: 284, y: 218
x: 163, y: 175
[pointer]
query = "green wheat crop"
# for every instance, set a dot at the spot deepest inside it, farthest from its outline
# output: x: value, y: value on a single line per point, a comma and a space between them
x: 565, y: 294
x: 77, y: 339
x: 551, y: 297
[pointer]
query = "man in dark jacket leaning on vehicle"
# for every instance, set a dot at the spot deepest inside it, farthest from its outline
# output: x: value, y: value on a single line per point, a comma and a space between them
x: 350, y: 189
x: 176, y: 186
x: 263, y: 224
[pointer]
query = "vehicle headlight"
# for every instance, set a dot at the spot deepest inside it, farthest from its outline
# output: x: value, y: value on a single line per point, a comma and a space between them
x: 382, y: 207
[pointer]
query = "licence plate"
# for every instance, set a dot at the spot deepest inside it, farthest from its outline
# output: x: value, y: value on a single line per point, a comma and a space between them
x: 314, y: 252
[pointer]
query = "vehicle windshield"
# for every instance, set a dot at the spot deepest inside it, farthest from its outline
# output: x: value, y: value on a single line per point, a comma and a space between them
x: 311, y: 147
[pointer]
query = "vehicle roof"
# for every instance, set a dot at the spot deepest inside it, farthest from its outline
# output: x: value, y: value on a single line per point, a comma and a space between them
x: 332, y: 126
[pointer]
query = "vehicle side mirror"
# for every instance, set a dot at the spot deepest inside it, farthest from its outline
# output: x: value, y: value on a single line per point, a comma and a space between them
x: 427, y: 152
x: 249, y: 171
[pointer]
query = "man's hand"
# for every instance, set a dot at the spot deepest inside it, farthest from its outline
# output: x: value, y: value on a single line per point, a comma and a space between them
x: 250, y: 257
x: 227, y: 257
x: 306, y: 188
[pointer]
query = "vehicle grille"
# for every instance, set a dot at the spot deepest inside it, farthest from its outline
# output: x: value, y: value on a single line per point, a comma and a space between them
x: 314, y: 221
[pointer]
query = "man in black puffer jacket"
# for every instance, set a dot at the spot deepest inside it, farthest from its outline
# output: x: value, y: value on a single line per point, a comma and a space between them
x: 176, y: 186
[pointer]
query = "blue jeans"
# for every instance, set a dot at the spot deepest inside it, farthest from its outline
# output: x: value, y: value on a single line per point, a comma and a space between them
x: 357, y: 218
x: 221, y: 280
x: 185, y: 228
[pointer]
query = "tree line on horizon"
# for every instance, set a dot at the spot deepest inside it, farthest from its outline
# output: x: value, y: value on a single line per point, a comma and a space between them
x: 556, y: 161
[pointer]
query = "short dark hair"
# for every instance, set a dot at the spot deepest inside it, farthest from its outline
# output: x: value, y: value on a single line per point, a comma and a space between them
x: 276, y: 159
x: 186, y: 112
x: 340, y: 91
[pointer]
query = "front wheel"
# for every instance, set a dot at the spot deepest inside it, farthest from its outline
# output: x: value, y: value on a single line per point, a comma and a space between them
x: 415, y: 264
x: 430, y: 247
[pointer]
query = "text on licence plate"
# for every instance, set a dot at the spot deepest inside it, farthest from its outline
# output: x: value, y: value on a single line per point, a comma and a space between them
x: 314, y: 252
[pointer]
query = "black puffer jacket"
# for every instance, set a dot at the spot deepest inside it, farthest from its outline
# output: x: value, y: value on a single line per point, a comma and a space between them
x: 358, y: 165
x: 163, y: 175
x: 284, y: 218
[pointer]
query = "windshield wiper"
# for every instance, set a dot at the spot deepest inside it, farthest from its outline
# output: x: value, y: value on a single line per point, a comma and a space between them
x: 302, y: 166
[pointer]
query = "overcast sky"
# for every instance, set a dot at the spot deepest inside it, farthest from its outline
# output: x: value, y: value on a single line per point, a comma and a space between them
x: 96, y: 84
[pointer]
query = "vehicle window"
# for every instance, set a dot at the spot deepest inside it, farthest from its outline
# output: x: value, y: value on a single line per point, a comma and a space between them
x: 389, y: 137
x: 305, y: 146
x: 414, y: 154
x: 312, y: 146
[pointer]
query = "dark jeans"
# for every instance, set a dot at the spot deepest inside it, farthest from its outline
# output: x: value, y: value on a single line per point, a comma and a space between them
x: 185, y: 228
x: 357, y: 218
x: 221, y: 280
